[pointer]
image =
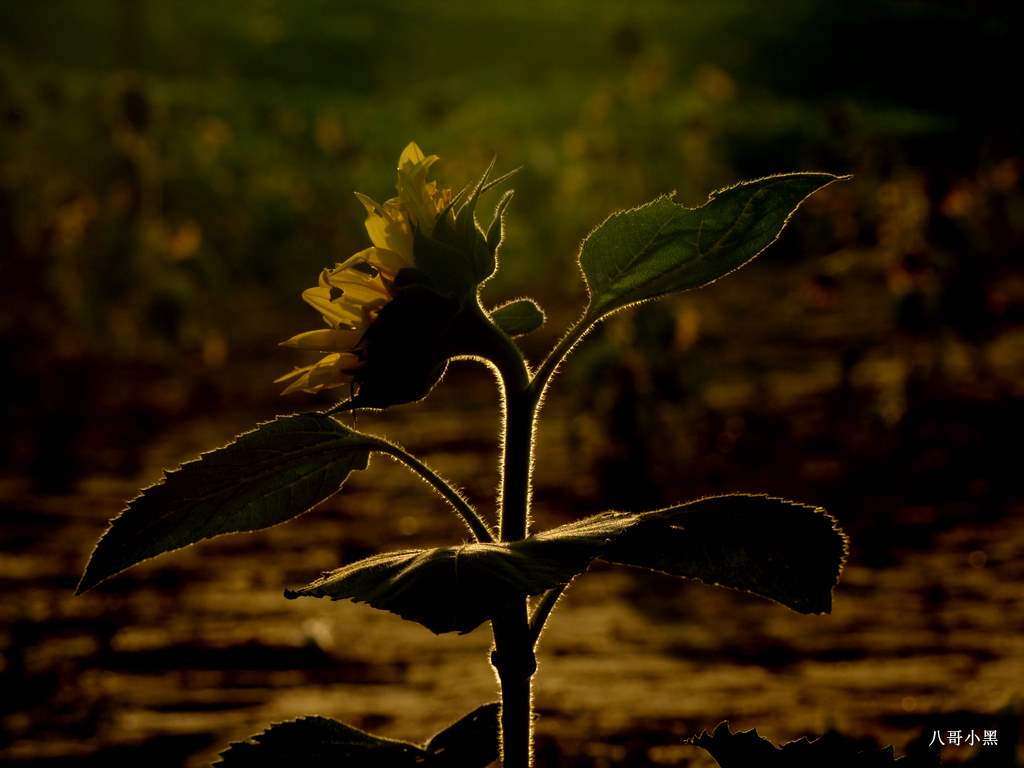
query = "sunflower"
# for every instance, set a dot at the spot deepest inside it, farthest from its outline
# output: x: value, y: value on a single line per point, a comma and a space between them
x: 350, y: 295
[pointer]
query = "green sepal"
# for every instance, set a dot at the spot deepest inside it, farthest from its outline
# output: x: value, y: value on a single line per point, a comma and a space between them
x: 496, y: 229
x: 458, y: 256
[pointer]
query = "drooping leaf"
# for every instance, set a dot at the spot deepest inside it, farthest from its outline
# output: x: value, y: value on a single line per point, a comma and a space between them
x: 470, y: 742
x: 455, y: 589
x: 319, y: 742
x: 267, y: 476
x: 663, y: 247
x: 745, y: 749
x: 519, y: 317
x: 447, y: 589
x: 788, y: 552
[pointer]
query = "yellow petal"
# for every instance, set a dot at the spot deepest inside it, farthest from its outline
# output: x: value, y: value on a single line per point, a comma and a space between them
x: 335, y: 312
x: 417, y: 196
x: 347, y: 274
x: 387, y: 227
x: 334, y: 370
x: 363, y: 294
x: 412, y: 154
x: 388, y: 263
x: 325, y: 340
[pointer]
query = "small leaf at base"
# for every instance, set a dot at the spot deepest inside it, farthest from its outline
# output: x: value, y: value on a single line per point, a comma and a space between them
x: 519, y: 317
x: 745, y: 749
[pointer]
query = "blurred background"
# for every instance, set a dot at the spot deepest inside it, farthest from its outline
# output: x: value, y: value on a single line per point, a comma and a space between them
x: 173, y: 175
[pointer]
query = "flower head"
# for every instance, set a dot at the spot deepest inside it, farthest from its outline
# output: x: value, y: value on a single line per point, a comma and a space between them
x: 351, y: 295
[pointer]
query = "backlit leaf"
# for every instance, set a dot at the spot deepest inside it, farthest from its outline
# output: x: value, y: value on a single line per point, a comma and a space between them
x: 663, y: 247
x: 470, y: 742
x: 788, y: 552
x: 455, y: 589
x: 318, y: 742
x: 265, y: 477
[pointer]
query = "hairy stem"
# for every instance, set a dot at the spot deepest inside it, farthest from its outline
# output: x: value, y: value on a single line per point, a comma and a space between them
x: 565, y: 345
x: 469, y: 515
x: 513, y: 656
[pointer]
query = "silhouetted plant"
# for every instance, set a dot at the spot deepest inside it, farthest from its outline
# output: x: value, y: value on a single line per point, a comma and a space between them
x: 395, y: 314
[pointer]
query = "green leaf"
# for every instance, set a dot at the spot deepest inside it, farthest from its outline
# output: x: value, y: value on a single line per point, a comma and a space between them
x: 788, y: 552
x: 455, y: 589
x: 744, y: 749
x: 663, y: 247
x: 267, y: 476
x: 518, y: 317
x: 319, y: 742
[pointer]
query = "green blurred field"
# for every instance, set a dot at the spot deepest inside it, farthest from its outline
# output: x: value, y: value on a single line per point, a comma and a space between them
x: 160, y: 157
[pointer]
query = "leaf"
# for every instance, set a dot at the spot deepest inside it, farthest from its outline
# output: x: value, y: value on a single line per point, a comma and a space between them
x: 663, y: 247
x: 318, y: 742
x: 788, y: 552
x: 781, y: 550
x: 265, y: 477
x: 518, y: 317
x: 455, y: 589
x: 745, y: 749
x: 470, y: 742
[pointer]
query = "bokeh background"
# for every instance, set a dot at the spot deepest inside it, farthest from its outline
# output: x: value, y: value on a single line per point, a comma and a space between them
x: 172, y: 175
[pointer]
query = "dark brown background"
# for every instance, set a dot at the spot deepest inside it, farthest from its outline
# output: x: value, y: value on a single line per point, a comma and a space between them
x: 170, y: 180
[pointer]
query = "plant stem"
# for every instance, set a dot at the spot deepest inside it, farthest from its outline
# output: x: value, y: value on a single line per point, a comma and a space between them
x: 565, y: 345
x: 469, y: 515
x: 513, y: 656
x: 514, y: 635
